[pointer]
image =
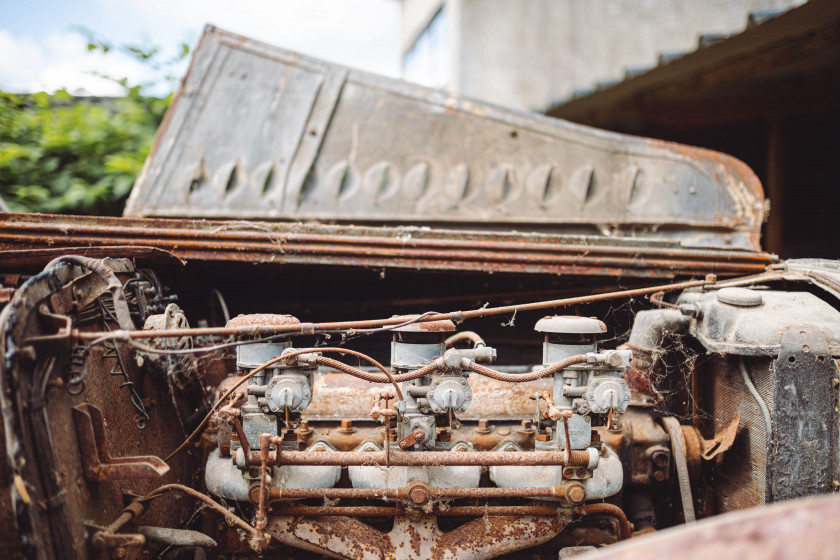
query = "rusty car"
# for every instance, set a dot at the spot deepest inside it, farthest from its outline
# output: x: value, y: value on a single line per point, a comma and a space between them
x: 346, y: 316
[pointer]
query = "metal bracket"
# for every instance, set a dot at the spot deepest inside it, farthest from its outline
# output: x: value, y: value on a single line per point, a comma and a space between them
x: 802, y: 458
x: 96, y: 458
x: 57, y: 343
x: 723, y: 440
x: 129, y: 545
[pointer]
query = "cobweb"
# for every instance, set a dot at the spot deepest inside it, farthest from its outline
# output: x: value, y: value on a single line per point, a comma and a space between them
x: 677, y: 359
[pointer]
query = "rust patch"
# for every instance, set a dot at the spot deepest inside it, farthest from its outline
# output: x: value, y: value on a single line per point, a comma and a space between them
x: 337, y: 395
x: 574, y: 458
x: 609, y: 509
x: 502, y: 535
x: 414, y: 539
x: 349, y: 537
x: 98, y: 463
x: 723, y: 439
x: 260, y: 319
x: 309, y: 244
x: 425, y: 326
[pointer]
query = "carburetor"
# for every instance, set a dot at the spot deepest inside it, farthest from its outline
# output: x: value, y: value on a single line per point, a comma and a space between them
x: 596, y: 387
x: 440, y: 395
x: 426, y: 417
x: 273, y: 402
x: 277, y: 395
x: 583, y: 395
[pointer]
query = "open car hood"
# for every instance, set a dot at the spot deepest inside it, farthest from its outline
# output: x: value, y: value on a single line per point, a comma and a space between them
x: 257, y: 132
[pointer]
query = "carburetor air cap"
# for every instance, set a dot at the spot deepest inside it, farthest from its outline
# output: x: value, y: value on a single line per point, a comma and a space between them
x: 568, y: 335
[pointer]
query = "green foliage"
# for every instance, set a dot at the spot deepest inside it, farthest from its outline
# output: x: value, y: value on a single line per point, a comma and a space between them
x: 147, y: 54
x: 61, y: 154
x: 76, y: 155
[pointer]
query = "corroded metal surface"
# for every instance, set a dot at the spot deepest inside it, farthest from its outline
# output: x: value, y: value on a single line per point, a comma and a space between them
x: 609, y: 509
x: 428, y: 326
x: 27, y: 256
x: 94, y: 450
x: 420, y: 493
x: 490, y: 520
x: 320, y: 143
x: 404, y: 247
x: 421, y: 458
x: 260, y: 132
x: 29, y: 500
x: 410, y: 539
x: 805, y: 529
x: 338, y: 395
x: 379, y: 511
x: 262, y: 319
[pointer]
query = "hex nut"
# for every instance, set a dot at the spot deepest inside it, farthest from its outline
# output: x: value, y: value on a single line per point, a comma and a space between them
x: 418, y: 495
x: 575, y: 493
x: 660, y: 458
x: 613, y: 359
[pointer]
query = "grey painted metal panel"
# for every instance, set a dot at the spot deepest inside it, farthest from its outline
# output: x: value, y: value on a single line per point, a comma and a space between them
x: 259, y: 132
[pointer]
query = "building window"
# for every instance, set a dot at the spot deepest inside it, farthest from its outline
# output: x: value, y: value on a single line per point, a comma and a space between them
x: 429, y: 60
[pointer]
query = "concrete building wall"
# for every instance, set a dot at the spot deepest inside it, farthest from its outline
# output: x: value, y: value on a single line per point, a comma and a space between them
x: 414, y: 17
x: 527, y: 54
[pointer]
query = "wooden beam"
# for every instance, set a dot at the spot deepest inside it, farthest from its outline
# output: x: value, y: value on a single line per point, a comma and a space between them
x: 803, y: 96
x: 693, y: 76
x: 775, y: 233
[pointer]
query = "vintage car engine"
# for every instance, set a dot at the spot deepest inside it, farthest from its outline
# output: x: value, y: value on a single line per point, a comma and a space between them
x: 349, y: 317
x: 297, y: 436
x: 424, y: 417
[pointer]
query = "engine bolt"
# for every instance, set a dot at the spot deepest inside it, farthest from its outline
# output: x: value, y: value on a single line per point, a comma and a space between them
x: 660, y: 458
x: 575, y: 494
x: 482, y: 427
x: 526, y: 427
x: 346, y: 427
x: 418, y: 495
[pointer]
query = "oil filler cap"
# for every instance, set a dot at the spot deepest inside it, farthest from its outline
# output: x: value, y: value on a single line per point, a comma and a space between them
x: 739, y: 297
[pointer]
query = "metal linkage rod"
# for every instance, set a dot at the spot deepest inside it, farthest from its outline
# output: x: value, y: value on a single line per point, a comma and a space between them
x: 311, y: 328
x: 378, y: 511
x: 421, y: 494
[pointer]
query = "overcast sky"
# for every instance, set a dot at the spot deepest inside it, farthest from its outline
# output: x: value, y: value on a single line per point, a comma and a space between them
x: 40, y: 51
